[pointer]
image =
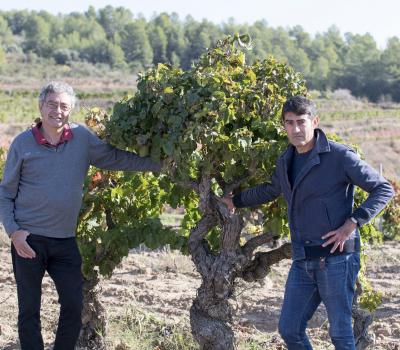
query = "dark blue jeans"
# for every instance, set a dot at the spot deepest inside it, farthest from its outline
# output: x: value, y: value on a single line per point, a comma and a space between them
x: 310, y: 282
x: 62, y: 260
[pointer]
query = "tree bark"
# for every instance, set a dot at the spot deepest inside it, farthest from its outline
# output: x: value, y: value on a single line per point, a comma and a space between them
x: 211, y: 313
x: 94, y: 320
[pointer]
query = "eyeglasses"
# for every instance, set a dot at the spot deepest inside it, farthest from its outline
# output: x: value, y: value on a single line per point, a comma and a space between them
x: 54, y: 106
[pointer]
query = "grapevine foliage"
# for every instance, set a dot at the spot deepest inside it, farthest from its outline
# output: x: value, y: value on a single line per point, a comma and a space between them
x: 221, y: 118
x: 120, y: 211
x: 391, y: 216
x: 2, y: 161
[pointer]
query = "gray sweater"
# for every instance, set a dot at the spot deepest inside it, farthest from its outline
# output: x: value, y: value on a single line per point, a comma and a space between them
x: 41, y: 189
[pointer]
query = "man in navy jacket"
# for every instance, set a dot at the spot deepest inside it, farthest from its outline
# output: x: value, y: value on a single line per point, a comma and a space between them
x: 317, y: 178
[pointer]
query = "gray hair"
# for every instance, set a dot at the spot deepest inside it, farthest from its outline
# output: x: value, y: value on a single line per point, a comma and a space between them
x: 57, y: 87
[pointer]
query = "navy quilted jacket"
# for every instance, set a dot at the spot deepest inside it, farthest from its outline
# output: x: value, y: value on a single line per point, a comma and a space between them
x: 322, y: 196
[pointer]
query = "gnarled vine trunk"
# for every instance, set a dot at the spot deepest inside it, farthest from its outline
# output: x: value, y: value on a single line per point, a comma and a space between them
x: 94, y: 320
x: 211, y: 312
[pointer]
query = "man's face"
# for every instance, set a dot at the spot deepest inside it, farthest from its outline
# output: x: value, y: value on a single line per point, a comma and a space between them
x: 300, y: 130
x: 55, y: 110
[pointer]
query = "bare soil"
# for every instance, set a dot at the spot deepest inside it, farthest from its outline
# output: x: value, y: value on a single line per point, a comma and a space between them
x: 164, y: 283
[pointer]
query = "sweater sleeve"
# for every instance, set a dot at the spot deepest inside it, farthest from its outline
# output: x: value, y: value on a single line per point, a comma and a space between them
x: 9, y: 189
x: 260, y: 194
x: 105, y: 156
x: 364, y: 176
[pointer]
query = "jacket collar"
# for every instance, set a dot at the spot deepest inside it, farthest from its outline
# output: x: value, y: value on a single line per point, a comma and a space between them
x: 321, y: 146
x: 321, y: 142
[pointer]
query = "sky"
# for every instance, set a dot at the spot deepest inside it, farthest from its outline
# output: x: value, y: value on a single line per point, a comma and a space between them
x: 380, y: 18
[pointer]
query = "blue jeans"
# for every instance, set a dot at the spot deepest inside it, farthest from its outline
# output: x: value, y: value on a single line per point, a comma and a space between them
x: 311, y: 281
x: 62, y: 260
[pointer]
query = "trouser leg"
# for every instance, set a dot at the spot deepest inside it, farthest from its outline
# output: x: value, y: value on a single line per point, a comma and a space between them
x: 336, y: 286
x: 300, y: 302
x: 28, y: 276
x: 65, y: 270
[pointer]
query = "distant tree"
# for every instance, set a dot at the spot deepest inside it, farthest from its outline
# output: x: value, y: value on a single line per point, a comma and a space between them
x: 37, y: 35
x: 375, y: 85
x: 199, y: 35
x: 87, y: 28
x: 286, y: 49
x: 334, y: 38
x: 83, y: 35
x: 159, y: 43
x: 175, y: 36
x: 135, y: 43
x: 17, y: 20
x: 65, y: 56
x: 112, y: 35
x: 113, y: 20
x: 302, y: 38
x: 6, y: 35
x: 91, y: 12
x: 299, y: 60
x: 361, y: 54
x: 70, y: 41
x: 319, y: 74
x: 55, y: 22
x: 104, y: 52
x: 115, y: 55
x: 390, y: 61
x: 262, y: 38
x: 228, y: 27
x: 2, y: 59
x: 325, y: 63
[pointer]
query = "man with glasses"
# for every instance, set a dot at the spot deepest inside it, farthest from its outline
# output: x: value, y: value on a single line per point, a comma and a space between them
x: 40, y: 199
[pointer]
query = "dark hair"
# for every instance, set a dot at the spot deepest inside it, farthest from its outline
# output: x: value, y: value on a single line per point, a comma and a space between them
x: 299, y: 105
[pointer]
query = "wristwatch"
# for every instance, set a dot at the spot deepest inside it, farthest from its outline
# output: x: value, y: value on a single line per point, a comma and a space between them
x: 354, y: 220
